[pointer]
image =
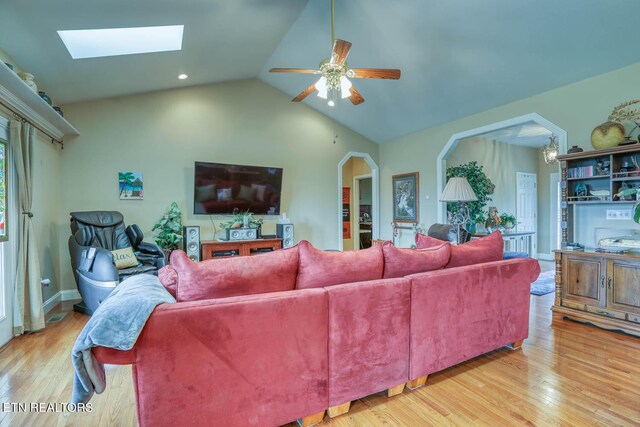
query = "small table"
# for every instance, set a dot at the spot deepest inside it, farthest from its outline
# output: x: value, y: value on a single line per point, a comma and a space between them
x: 516, y: 241
x: 228, y: 248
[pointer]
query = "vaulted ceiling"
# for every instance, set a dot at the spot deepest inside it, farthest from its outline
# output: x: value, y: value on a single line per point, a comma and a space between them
x: 457, y: 57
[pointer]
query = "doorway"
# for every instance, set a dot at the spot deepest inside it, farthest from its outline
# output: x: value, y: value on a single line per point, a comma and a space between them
x: 358, y: 209
x: 362, y: 209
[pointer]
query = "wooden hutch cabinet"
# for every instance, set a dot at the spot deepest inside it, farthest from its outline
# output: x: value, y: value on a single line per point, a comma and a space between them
x: 600, y: 288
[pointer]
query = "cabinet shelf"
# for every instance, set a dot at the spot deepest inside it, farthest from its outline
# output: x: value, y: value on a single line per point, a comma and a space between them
x: 19, y: 97
x: 589, y: 177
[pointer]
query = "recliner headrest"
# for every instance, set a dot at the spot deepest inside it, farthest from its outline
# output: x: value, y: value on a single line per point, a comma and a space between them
x: 98, y: 218
x: 85, y: 236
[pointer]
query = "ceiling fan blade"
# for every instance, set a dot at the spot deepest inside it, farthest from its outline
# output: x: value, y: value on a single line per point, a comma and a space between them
x: 340, y: 51
x: 356, y: 98
x: 302, y: 95
x: 294, y: 70
x: 376, y: 73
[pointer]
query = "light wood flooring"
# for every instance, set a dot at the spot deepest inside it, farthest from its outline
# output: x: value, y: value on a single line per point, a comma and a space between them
x: 565, y: 374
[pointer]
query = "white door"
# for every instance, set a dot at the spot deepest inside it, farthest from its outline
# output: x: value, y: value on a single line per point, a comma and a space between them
x: 527, y: 204
x: 6, y: 288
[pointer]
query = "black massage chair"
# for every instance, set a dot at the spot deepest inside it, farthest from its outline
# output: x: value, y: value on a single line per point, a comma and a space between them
x: 94, y: 235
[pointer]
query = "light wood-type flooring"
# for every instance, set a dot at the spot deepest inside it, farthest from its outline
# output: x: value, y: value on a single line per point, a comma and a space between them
x: 565, y: 374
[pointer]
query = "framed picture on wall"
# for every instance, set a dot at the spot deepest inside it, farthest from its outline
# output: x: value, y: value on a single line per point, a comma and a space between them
x: 130, y: 185
x: 405, y: 197
x: 4, y: 230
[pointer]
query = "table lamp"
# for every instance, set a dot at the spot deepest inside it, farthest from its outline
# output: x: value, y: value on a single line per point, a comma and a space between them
x: 458, y: 190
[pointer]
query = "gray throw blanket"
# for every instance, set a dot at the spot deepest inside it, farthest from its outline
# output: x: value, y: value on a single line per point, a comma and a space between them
x: 116, y: 324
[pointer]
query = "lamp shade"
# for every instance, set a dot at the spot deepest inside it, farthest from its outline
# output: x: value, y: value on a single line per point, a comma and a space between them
x: 458, y: 190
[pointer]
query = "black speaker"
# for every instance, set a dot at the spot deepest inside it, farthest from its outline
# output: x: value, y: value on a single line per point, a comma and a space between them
x: 285, y: 232
x: 191, y: 236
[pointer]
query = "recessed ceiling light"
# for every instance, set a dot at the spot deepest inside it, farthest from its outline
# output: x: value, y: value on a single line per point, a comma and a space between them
x: 183, y: 76
x: 121, y: 41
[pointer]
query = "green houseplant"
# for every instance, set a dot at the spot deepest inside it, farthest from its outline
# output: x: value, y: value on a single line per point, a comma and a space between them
x: 169, y: 225
x: 243, y: 219
x: 481, y: 185
x: 636, y: 207
x: 508, y: 221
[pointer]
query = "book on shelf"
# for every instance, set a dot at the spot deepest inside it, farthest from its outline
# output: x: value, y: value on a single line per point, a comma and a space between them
x: 574, y: 247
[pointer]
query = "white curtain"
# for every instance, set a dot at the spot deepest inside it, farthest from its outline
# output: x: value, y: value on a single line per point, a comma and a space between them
x: 28, y: 313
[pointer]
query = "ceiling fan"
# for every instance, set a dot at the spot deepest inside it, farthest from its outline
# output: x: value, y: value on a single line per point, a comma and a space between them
x: 335, y: 73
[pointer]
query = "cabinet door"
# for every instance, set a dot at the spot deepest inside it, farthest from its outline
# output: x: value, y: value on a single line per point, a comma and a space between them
x: 623, y: 281
x: 583, y: 280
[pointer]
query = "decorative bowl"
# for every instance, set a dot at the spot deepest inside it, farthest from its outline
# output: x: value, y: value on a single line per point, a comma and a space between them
x: 601, y: 194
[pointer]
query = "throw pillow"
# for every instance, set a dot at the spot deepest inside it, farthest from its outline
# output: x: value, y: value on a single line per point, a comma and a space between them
x: 245, y: 193
x: 325, y: 268
x: 225, y: 194
x: 206, y: 192
x: 218, y: 278
x: 259, y: 190
x: 400, y: 262
x: 485, y: 249
x: 423, y: 241
x: 124, y: 258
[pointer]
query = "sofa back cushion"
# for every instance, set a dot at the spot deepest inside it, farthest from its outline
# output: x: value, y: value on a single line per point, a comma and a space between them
x: 400, y: 262
x: 219, y: 278
x: 325, y: 268
x: 485, y: 249
x: 169, y: 279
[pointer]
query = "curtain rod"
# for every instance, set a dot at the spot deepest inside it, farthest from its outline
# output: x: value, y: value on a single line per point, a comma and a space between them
x: 25, y: 120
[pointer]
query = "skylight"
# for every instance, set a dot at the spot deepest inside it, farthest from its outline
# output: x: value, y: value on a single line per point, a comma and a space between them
x: 122, y: 41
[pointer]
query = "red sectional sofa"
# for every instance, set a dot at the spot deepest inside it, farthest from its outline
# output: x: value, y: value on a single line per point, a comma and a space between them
x: 344, y: 326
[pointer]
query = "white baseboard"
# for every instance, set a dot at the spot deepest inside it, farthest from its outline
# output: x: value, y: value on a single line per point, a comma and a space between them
x: 65, y: 295
x: 51, y: 302
x: 546, y: 257
x: 68, y: 295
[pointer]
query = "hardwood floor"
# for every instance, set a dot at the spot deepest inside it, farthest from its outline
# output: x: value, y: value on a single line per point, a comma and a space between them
x: 565, y: 374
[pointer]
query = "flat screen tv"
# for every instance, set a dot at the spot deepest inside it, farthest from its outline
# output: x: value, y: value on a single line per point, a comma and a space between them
x: 229, y: 189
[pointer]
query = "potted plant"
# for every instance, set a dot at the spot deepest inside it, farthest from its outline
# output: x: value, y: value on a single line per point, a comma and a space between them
x: 243, y: 220
x: 636, y: 207
x: 169, y: 225
x: 508, y: 221
x: 481, y: 185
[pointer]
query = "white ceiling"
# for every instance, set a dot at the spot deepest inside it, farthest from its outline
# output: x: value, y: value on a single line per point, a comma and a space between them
x: 458, y: 57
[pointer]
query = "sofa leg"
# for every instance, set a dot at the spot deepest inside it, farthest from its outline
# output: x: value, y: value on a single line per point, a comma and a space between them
x: 337, y: 410
x: 417, y: 383
x: 311, y: 419
x: 516, y: 345
x: 393, y: 391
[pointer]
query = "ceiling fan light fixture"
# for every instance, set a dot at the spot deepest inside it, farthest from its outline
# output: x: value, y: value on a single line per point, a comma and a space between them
x: 345, y: 87
x: 321, y: 87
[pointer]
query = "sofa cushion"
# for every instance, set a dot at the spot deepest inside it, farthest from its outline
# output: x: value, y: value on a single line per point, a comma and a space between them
x: 400, y: 262
x: 485, y: 249
x: 169, y: 279
x: 218, y: 278
x: 325, y: 268
x: 124, y: 258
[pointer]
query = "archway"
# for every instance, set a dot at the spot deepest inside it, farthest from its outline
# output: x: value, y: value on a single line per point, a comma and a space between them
x: 441, y: 166
x: 375, y: 191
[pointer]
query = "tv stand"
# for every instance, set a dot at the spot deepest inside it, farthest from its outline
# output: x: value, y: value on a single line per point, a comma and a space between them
x: 214, y: 249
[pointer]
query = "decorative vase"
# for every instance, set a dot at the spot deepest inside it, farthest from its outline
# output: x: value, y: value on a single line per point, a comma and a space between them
x: 607, y: 135
x: 28, y: 79
x: 59, y: 111
x: 46, y: 97
x: 574, y: 149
